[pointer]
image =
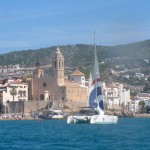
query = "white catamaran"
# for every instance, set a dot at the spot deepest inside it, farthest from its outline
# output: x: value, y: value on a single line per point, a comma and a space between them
x: 95, y: 100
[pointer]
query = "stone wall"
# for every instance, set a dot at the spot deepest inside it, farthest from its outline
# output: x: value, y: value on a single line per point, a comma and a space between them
x: 34, y: 105
x: 74, y: 105
x: 15, y: 107
x: 26, y: 106
x: 30, y: 106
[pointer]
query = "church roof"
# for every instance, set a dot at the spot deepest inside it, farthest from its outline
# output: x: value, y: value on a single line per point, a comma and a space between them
x: 77, y: 73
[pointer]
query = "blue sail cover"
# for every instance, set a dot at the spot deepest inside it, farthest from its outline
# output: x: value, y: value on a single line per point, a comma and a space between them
x: 95, y: 88
x: 92, y: 98
x: 96, y: 98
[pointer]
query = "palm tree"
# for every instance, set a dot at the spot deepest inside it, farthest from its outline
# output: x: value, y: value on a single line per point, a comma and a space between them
x: 13, y: 92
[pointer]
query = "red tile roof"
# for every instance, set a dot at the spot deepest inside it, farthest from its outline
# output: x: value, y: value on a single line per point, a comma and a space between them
x: 77, y: 73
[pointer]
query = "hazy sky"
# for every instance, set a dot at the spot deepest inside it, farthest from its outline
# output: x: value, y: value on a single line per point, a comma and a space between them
x: 31, y: 24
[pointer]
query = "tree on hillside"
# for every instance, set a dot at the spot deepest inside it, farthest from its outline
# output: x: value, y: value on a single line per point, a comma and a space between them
x: 146, y: 88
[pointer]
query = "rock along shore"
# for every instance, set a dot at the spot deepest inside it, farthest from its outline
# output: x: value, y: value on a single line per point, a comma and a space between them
x: 119, y: 113
x: 125, y: 113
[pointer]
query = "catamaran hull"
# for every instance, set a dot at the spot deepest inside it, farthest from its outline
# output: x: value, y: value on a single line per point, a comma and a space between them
x: 103, y: 119
x: 96, y: 119
x: 78, y: 119
x: 70, y: 120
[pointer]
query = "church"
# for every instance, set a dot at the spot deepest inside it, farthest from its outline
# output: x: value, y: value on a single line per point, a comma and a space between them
x: 56, y: 87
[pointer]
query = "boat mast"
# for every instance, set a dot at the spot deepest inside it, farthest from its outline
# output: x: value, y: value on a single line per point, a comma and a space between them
x: 96, y: 73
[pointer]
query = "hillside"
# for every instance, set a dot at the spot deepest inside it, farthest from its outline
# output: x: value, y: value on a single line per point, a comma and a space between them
x: 81, y: 55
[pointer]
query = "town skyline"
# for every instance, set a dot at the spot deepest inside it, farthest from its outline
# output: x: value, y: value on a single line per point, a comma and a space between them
x: 37, y: 24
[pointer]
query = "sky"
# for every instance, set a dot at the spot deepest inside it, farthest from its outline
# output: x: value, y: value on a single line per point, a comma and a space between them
x: 34, y: 24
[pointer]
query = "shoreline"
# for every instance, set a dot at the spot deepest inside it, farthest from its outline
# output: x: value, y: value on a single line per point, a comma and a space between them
x: 120, y: 116
x: 141, y: 115
x: 19, y: 119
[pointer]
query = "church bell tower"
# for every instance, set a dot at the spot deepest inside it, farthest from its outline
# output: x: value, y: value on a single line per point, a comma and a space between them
x: 58, y: 67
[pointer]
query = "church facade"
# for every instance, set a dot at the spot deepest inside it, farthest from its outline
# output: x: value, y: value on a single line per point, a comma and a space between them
x: 56, y: 86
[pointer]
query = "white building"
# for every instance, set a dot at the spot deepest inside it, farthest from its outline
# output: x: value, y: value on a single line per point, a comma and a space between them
x: 78, y: 77
x: 116, y: 96
x: 15, y: 70
x: 140, y: 97
x: 21, y: 92
x: 134, y: 107
x: 9, y: 69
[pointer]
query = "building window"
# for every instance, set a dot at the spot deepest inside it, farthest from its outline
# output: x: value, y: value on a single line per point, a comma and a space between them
x: 41, y: 97
x: 44, y: 84
x: 55, y: 64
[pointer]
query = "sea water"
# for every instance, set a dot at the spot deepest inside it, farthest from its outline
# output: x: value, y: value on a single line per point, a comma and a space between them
x: 128, y: 134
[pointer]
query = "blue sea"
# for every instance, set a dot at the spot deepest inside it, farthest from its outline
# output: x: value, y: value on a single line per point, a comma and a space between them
x: 128, y: 134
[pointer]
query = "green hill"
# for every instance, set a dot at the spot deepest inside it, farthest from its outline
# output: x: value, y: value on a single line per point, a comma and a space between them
x: 81, y: 55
